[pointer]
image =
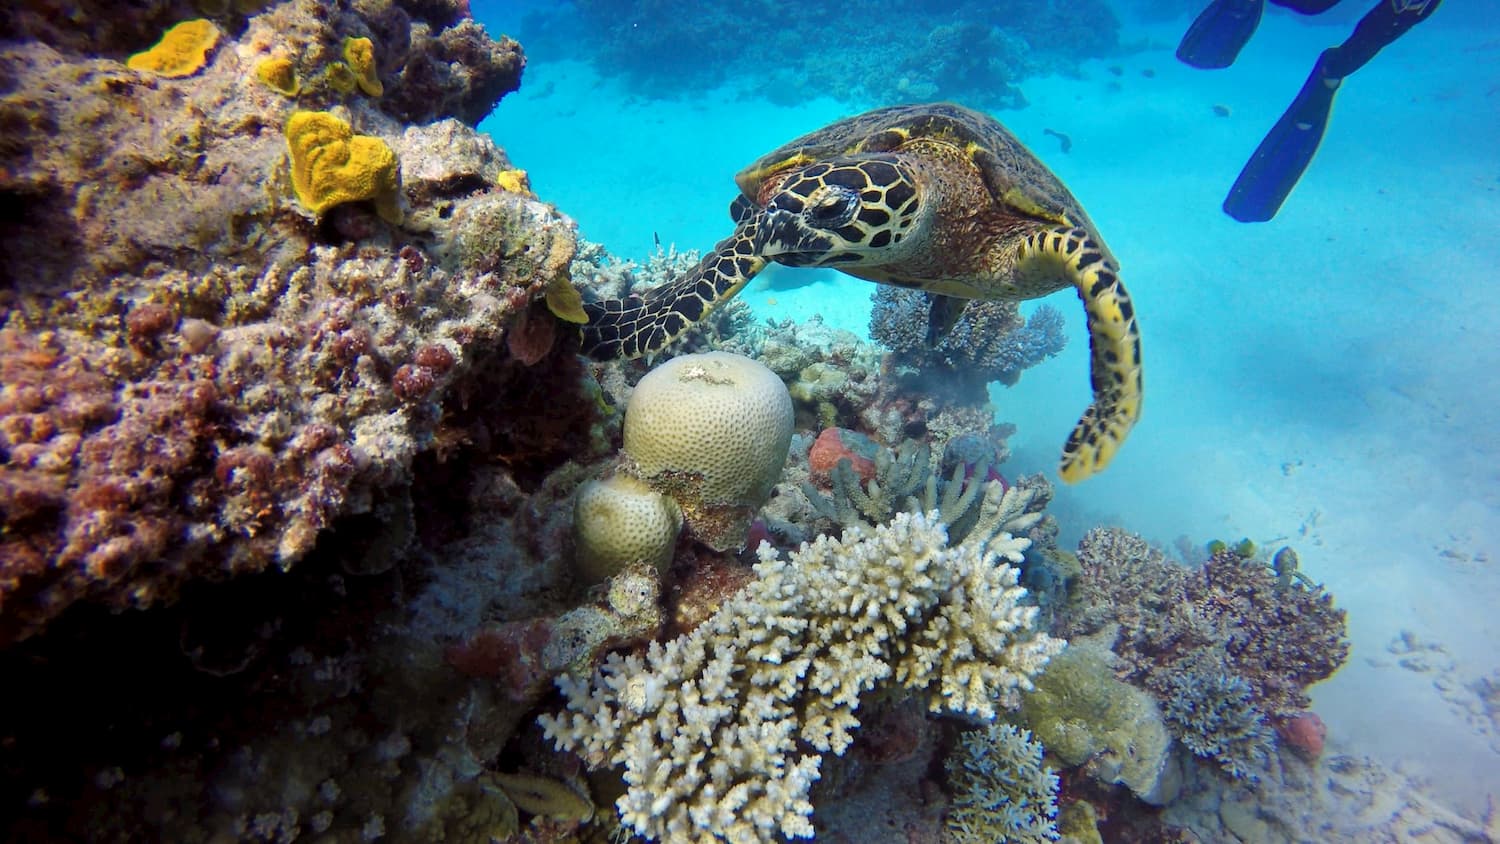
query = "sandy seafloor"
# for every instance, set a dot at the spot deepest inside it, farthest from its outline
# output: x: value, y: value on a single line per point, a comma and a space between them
x: 1330, y: 379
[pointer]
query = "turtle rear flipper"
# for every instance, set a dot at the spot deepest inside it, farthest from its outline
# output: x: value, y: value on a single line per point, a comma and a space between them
x: 639, y: 325
x: 1114, y: 346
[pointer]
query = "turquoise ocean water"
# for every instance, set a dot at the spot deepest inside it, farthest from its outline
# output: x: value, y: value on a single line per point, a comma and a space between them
x: 1330, y: 378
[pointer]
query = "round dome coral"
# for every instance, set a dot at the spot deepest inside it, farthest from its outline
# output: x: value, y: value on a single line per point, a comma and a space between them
x: 712, y: 431
x: 619, y: 521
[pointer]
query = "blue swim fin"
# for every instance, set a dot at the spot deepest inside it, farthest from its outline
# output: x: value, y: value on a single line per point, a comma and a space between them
x: 1281, y: 158
x: 1220, y: 31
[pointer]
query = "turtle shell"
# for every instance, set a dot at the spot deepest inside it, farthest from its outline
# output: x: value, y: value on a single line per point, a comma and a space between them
x: 1018, y: 182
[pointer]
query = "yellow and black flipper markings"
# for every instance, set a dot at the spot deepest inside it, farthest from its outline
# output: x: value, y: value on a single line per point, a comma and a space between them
x: 1114, y: 345
x: 641, y: 325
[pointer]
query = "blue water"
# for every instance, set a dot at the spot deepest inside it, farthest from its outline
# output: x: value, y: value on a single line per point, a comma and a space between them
x: 1328, y: 378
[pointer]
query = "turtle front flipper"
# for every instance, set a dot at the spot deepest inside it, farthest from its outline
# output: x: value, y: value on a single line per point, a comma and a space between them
x: 1114, y: 346
x: 639, y: 325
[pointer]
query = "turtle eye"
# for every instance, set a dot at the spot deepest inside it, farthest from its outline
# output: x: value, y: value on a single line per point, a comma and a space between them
x: 830, y: 207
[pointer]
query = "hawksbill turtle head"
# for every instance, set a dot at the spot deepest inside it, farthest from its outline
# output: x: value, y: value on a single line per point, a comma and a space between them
x: 842, y: 212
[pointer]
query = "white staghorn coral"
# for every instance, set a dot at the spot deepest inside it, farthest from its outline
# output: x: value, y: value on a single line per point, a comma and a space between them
x: 721, y: 731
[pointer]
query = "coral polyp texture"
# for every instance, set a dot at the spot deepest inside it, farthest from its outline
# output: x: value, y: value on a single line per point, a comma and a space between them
x: 280, y: 75
x: 721, y: 731
x: 197, y: 381
x: 618, y: 521
x: 712, y: 431
x: 182, y: 51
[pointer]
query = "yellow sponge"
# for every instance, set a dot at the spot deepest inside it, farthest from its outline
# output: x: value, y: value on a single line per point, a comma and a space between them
x: 280, y: 75
x: 182, y: 51
x: 332, y: 165
x: 359, y: 54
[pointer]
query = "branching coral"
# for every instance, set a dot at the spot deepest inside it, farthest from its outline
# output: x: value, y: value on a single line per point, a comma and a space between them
x: 1211, y: 713
x: 1274, y: 634
x: 1003, y: 792
x: 720, y: 731
x: 906, y: 481
x: 989, y: 342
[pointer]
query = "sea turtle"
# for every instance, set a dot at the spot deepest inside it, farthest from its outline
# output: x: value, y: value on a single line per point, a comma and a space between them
x: 935, y: 197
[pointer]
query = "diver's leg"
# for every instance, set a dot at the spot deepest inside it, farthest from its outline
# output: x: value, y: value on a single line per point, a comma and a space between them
x: 1307, y: 7
x: 1280, y: 160
x: 1384, y: 24
x: 1219, y: 33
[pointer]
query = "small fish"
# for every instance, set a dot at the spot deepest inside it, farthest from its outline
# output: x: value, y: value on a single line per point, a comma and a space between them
x: 1065, y: 141
x: 1221, y: 110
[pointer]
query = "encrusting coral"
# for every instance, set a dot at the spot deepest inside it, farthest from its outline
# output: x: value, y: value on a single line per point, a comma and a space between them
x: 721, y: 731
x: 280, y: 75
x: 1083, y: 715
x: 182, y: 51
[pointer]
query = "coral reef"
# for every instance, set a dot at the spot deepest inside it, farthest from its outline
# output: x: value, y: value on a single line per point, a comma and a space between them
x: 720, y: 731
x: 214, y: 379
x: 971, y: 51
x: 1002, y: 790
x: 281, y: 367
x: 1278, y: 636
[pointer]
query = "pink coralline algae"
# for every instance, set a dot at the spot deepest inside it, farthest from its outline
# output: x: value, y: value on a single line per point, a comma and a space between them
x: 1305, y: 733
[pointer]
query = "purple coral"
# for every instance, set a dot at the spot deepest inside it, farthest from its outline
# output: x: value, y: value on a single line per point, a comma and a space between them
x: 1280, y: 638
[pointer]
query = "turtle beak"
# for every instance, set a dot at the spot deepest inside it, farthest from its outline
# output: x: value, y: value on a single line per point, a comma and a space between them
x: 786, y: 238
x: 778, y: 233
